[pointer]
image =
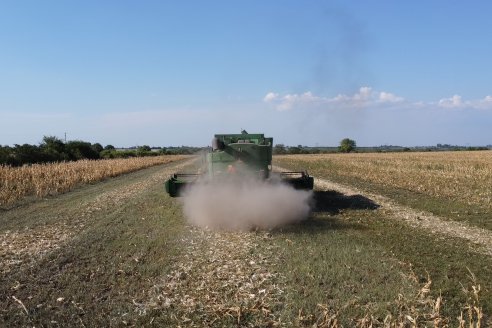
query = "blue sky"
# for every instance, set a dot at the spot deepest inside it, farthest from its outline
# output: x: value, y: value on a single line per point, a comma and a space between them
x: 304, y: 72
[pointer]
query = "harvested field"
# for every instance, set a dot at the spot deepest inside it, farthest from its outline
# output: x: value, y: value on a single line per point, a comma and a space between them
x: 38, y: 238
x: 456, y: 185
x: 404, y: 221
x: 120, y: 253
x: 464, y: 176
x: 222, y: 280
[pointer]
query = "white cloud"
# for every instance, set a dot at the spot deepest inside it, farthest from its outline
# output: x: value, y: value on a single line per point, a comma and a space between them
x: 457, y: 101
x: 270, y: 97
x: 386, y: 97
x: 364, y: 94
x: 453, y: 102
x: 290, y: 101
x: 485, y: 103
x: 364, y: 97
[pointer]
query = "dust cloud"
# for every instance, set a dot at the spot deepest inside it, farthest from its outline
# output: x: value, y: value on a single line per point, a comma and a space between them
x: 244, y: 204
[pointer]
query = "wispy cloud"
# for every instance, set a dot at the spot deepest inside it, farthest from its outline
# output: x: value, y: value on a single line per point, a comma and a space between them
x: 366, y: 97
x: 387, y: 97
x: 456, y: 101
x: 289, y: 101
x: 452, y: 102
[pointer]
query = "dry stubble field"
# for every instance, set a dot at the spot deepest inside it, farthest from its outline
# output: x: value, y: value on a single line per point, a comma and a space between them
x: 119, y: 252
x: 456, y: 184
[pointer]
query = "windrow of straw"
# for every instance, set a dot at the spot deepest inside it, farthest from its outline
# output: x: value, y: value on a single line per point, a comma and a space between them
x: 41, y: 180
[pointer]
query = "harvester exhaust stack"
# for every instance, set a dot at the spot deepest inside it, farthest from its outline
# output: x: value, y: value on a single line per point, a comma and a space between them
x: 244, y: 153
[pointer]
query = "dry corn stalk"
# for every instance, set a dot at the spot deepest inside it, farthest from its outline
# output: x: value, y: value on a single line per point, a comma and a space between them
x: 48, y: 179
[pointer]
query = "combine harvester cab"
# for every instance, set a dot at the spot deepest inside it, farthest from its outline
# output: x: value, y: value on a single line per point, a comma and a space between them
x: 239, y: 154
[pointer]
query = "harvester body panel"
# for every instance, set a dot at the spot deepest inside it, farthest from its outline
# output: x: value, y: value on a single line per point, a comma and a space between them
x: 245, y: 153
x: 239, y: 154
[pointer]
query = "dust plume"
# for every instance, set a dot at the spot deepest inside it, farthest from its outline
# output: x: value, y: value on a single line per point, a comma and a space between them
x: 243, y: 204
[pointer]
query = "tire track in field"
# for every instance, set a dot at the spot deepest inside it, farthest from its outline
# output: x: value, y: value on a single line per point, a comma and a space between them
x: 26, y: 246
x: 480, y: 239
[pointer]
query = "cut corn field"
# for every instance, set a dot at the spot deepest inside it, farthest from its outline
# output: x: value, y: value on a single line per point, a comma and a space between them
x: 120, y: 253
x: 453, y: 185
x: 463, y: 176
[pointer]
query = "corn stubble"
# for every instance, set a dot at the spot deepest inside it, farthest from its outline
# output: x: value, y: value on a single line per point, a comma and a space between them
x: 464, y: 175
x: 42, y: 180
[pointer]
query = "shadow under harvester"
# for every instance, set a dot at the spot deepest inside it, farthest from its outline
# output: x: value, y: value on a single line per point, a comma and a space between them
x: 331, y: 203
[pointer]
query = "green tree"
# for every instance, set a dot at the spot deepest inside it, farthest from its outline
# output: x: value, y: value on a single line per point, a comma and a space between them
x: 347, y: 145
x: 144, y: 148
x: 52, y: 144
x: 5, y: 153
x: 78, y: 149
x: 294, y: 150
x: 29, y: 154
x: 97, y: 147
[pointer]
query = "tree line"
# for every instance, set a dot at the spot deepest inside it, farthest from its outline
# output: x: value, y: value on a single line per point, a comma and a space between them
x: 53, y: 149
x: 346, y: 146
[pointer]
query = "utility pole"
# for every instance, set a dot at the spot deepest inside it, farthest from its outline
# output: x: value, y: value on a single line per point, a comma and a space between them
x: 65, y: 137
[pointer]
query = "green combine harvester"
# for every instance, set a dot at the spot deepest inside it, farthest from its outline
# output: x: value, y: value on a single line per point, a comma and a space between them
x: 239, y: 154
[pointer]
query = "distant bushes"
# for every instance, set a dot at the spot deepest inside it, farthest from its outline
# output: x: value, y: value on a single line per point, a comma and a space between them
x: 147, y: 151
x: 280, y: 149
x: 53, y: 149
